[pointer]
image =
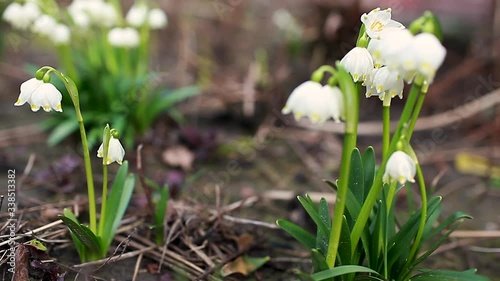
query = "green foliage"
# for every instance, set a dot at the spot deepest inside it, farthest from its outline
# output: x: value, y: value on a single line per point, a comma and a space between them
x: 89, y: 245
x: 386, y: 239
x: 131, y: 104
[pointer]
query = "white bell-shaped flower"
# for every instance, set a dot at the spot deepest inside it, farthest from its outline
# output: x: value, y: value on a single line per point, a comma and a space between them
x: 137, y: 15
x: 428, y: 54
x: 400, y: 167
x: 12, y: 12
x: 394, y: 48
x: 317, y: 102
x: 44, y: 25
x: 388, y: 82
x: 115, y: 151
x: 377, y: 22
x: 358, y: 62
x: 39, y: 94
x: 126, y: 37
x: 157, y: 19
x: 61, y: 34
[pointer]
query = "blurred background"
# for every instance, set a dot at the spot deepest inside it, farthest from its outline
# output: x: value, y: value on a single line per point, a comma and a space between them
x: 245, y: 57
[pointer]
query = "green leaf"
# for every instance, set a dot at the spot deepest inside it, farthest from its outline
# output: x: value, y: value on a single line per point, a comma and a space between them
x: 318, y: 261
x: 62, y: 130
x: 83, y: 233
x: 344, y: 249
x: 118, y: 201
x: 160, y: 210
x: 311, y: 210
x: 297, y: 232
x: 162, y: 101
x: 368, y: 169
x: 342, y: 270
x: 448, y: 275
x: 322, y: 240
x: 78, y: 244
x: 356, y: 176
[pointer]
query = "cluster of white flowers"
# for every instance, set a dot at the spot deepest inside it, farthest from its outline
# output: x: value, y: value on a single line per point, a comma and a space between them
x: 140, y: 14
x: 21, y: 16
x: 85, y: 14
x: 315, y: 101
x: 392, y: 56
x: 126, y: 37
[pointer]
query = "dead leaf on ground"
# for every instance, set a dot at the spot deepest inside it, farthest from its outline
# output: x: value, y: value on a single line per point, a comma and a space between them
x: 243, y: 265
x: 179, y: 156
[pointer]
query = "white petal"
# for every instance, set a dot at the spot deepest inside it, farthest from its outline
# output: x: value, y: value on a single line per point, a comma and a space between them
x: 358, y: 62
x: 157, y: 19
x: 27, y: 89
x: 115, y: 151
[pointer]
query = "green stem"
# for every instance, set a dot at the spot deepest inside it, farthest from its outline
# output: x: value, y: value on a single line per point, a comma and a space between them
x: 73, y: 93
x: 386, y: 135
x: 371, y: 198
x: 105, y: 150
x: 88, y: 172
x: 423, y: 219
x: 104, y: 198
x: 67, y: 62
x: 351, y: 102
x: 389, y: 203
x: 415, y: 115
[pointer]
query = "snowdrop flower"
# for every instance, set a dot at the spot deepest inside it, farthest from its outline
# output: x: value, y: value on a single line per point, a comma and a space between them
x: 319, y: 103
x: 137, y: 15
x: 61, y: 34
x: 44, y: 25
x: 157, y: 19
x: 115, y: 151
x: 21, y: 16
x: 400, y: 167
x: 39, y: 94
x: 394, y: 47
x: 124, y: 37
x: 427, y: 55
x: 377, y: 22
x: 12, y: 12
x: 388, y: 83
x: 358, y: 62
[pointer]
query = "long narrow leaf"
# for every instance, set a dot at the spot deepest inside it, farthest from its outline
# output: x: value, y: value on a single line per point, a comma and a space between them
x: 297, y: 232
x: 83, y: 233
x: 448, y: 275
x: 118, y: 200
x: 311, y: 210
x: 341, y: 270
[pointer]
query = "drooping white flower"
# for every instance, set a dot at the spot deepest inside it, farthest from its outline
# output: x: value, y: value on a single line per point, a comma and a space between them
x: 388, y: 83
x: 358, y: 62
x: 115, y: 151
x: 93, y: 12
x: 157, y: 19
x: 21, y: 16
x: 126, y: 37
x: 61, y: 34
x: 44, y: 25
x: 394, y: 47
x: 400, y: 167
x: 428, y: 55
x: 374, y: 47
x: 13, y: 11
x: 319, y: 103
x: 137, y: 15
x: 39, y: 94
x: 379, y: 21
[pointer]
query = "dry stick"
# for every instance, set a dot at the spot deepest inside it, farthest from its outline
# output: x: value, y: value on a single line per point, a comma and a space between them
x: 145, y: 186
x: 374, y: 128
x: 137, y: 266
x: 33, y: 232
